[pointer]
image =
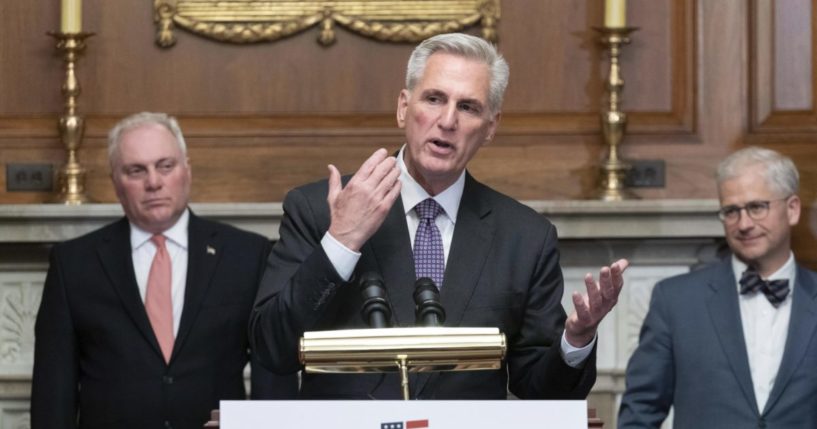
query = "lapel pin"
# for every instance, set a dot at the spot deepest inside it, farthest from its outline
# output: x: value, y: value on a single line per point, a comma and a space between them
x: 211, y: 250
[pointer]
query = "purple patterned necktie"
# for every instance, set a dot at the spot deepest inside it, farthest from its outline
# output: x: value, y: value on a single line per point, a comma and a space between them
x: 429, y: 257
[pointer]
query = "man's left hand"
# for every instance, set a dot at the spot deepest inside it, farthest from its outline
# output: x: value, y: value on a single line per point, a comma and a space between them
x: 590, y: 308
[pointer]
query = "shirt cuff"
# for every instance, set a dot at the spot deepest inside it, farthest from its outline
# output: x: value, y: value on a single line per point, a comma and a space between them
x: 342, y: 258
x: 575, y: 356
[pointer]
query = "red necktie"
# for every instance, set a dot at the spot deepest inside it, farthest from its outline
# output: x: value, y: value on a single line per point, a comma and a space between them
x: 158, y: 303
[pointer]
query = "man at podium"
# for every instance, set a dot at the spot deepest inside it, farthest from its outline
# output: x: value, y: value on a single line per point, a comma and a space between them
x: 421, y: 214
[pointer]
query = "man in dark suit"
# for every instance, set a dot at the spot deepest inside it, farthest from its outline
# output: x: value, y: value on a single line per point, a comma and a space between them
x: 734, y: 345
x: 494, y: 259
x: 143, y: 323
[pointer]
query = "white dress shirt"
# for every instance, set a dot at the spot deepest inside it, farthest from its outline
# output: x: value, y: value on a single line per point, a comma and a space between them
x: 765, y: 329
x: 143, y: 251
x: 411, y: 193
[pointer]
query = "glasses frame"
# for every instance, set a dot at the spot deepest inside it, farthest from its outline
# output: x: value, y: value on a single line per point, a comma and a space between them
x: 765, y: 204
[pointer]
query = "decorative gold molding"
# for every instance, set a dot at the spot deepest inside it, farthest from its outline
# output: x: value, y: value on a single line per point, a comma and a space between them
x: 250, y: 21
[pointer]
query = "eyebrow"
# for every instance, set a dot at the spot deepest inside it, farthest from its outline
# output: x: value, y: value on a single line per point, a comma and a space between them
x: 475, y: 101
x: 143, y: 164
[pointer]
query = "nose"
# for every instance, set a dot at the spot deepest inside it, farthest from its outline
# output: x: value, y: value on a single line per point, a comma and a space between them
x: 153, y: 180
x: 448, y: 118
x: 744, y: 221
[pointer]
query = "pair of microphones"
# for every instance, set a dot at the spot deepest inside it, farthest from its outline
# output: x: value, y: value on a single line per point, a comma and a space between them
x: 376, y: 310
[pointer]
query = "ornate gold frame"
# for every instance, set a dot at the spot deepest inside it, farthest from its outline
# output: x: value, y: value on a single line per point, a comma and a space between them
x: 251, y: 21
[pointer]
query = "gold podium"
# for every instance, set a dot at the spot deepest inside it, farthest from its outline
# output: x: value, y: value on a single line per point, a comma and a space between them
x: 403, y: 350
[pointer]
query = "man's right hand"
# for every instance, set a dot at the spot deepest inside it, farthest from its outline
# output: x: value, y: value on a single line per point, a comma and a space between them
x: 359, y: 208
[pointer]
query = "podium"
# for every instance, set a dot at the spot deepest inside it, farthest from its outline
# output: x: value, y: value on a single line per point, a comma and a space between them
x: 403, y: 350
x: 279, y: 414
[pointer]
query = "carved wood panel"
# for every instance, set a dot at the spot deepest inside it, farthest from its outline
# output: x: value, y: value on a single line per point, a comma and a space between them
x: 782, y: 69
x: 255, y: 114
x: 261, y: 119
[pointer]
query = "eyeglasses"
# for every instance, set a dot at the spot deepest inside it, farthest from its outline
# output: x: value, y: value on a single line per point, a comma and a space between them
x: 756, y: 210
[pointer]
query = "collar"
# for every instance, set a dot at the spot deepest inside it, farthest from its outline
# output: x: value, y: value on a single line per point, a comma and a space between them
x: 412, y: 193
x: 176, y: 233
x: 787, y: 271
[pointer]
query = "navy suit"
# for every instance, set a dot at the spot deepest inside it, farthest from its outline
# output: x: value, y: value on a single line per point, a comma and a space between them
x: 97, y: 363
x: 692, y: 355
x: 502, y: 271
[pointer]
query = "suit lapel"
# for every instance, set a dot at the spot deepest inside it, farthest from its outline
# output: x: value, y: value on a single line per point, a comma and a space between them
x: 802, y: 325
x: 473, y: 236
x: 470, y: 245
x: 391, y: 248
x: 725, y: 314
x: 204, y: 251
x: 115, y: 254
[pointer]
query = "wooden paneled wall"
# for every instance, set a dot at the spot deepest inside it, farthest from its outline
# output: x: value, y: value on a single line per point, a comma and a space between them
x: 702, y: 79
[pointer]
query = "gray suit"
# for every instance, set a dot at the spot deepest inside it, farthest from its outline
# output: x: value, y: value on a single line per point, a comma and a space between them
x: 502, y: 271
x: 692, y: 355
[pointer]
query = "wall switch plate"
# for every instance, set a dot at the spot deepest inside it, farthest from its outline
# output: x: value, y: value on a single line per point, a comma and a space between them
x: 29, y: 177
x: 647, y: 173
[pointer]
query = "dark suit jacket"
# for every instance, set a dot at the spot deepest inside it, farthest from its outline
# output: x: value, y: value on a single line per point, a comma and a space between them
x: 502, y: 271
x: 97, y: 363
x: 692, y: 355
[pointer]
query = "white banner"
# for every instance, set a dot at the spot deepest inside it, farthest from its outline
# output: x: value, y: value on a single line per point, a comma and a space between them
x: 403, y: 414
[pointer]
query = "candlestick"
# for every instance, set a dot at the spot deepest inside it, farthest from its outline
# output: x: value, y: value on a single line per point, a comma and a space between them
x: 71, y: 21
x: 71, y: 126
x: 612, y: 186
x: 615, y: 13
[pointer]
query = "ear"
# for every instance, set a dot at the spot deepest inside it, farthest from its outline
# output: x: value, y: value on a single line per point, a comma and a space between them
x: 492, y: 127
x: 118, y: 189
x: 402, y: 106
x: 112, y: 174
x: 793, y: 209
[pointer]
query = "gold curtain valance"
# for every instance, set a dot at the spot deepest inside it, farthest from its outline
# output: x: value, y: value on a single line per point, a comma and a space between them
x: 249, y: 21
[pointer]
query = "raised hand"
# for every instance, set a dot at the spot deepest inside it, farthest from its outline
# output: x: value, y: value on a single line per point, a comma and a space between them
x: 590, y: 308
x: 359, y: 208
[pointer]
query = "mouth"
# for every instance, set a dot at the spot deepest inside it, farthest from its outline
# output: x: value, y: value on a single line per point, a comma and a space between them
x: 154, y: 202
x: 748, y: 239
x: 442, y: 144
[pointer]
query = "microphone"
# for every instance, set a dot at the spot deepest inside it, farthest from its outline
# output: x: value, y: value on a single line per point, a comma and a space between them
x: 428, y: 310
x: 375, y: 311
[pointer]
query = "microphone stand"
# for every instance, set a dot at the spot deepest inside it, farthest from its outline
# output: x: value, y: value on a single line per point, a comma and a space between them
x: 402, y: 350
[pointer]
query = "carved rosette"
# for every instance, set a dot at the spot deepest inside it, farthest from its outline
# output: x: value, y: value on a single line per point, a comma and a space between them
x: 16, y: 419
x: 250, y: 21
x: 19, y: 302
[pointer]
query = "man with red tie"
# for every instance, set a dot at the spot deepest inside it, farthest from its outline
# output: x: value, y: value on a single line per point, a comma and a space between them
x: 143, y: 323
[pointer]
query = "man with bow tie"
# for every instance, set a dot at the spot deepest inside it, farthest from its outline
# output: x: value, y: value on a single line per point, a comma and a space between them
x: 734, y: 345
